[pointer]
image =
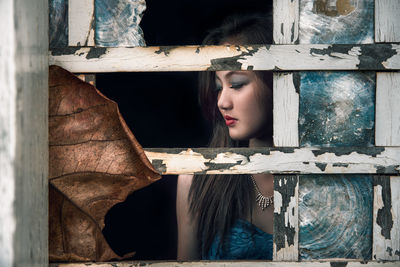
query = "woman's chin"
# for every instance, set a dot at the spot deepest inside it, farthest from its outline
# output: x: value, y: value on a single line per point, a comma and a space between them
x: 238, y: 136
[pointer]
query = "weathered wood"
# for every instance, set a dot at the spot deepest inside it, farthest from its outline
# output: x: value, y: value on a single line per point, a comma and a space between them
x: 23, y: 133
x: 275, y: 160
x: 331, y: 263
x: 286, y: 99
x: 386, y: 228
x: 286, y: 216
x: 387, y: 22
x: 286, y: 21
x: 256, y: 57
x: 387, y: 124
x: 81, y: 22
x: 286, y: 109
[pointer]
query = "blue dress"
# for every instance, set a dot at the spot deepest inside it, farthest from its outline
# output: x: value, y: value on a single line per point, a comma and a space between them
x: 244, y: 241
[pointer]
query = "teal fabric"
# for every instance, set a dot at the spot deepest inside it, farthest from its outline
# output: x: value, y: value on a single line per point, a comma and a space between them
x: 244, y: 241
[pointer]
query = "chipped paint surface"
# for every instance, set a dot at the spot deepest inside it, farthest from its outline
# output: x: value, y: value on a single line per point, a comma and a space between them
x: 285, y: 109
x: 81, y: 22
x: 185, y: 161
x: 285, y: 218
x: 275, y: 160
x: 386, y: 217
x: 333, y: 262
x: 286, y: 21
x: 256, y: 57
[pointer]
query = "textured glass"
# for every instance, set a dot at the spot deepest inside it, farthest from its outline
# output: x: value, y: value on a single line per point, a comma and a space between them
x: 337, y: 108
x: 58, y: 23
x: 335, y: 217
x: 117, y: 22
x: 336, y: 21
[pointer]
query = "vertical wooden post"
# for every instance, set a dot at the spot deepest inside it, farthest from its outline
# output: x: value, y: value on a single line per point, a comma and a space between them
x: 23, y: 133
x: 387, y: 22
x: 386, y: 224
x: 81, y: 23
x: 387, y: 123
x: 286, y: 114
x: 286, y: 218
x: 286, y: 98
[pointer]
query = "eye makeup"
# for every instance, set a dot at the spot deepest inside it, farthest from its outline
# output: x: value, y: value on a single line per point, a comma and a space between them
x: 234, y: 81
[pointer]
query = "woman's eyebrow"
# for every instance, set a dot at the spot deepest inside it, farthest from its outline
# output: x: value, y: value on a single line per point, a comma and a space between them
x: 229, y: 74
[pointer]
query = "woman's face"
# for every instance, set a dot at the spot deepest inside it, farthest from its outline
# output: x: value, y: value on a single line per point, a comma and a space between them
x: 245, y: 103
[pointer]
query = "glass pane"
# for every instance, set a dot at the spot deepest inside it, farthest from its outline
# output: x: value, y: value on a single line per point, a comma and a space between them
x: 340, y: 22
x: 335, y: 217
x: 337, y: 108
x: 58, y: 23
x: 117, y: 22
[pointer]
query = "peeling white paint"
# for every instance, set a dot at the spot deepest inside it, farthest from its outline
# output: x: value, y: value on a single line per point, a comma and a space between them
x: 80, y: 27
x: 320, y: 263
x: 277, y: 202
x: 185, y: 162
x: 302, y: 160
x: 229, y: 157
x: 8, y: 107
x: 282, y: 57
x: 286, y: 111
x: 394, y: 61
x: 381, y: 246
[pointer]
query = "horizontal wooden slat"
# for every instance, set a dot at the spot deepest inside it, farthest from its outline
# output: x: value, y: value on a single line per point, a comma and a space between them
x: 385, y: 160
x: 256, y: 57
x: 229, y: 263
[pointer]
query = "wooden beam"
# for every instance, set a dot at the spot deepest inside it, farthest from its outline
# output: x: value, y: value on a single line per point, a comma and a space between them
x: 286, y: 218
x: 337, y: 262
x: 23, y: 133
x: 387, y: 123
x: 286, y: 21
x: 81, y: 22
x: 307, y: 160
x: 387, y: 22
x: 286, y: 97
x: 286, y: 109
x: 386, y: 228
x: 255, y: 57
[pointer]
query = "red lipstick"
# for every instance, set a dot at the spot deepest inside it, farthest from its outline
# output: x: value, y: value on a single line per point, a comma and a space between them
x: 229, y: 120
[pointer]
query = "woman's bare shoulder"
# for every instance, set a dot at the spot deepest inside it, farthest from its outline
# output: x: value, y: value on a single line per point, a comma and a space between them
x: 185, y: 180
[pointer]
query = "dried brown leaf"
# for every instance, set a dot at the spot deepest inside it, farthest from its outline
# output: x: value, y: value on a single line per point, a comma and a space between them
x: 94, y: 163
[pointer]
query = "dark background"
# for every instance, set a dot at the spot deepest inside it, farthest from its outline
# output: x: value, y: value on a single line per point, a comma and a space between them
x: 162, y: 110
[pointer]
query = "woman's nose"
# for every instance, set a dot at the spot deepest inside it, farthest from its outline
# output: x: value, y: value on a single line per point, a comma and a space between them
x: 225, y: 99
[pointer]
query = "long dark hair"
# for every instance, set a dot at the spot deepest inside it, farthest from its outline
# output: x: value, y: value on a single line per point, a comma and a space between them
x: 217, y: 200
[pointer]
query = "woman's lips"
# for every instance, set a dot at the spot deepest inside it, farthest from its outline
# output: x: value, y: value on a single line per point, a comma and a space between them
x: 229, y: 120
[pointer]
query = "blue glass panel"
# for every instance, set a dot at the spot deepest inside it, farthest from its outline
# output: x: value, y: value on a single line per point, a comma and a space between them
x: 337, y: 108
x: 336, y: 21
x: 117, y: 22
x: 335, y: 217
x: 58, y: 23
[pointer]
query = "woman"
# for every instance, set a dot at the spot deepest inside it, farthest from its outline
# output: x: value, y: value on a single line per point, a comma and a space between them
x: 231, y: 216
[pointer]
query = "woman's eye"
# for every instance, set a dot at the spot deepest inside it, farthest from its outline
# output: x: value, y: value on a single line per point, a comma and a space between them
x: 237, y: 85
